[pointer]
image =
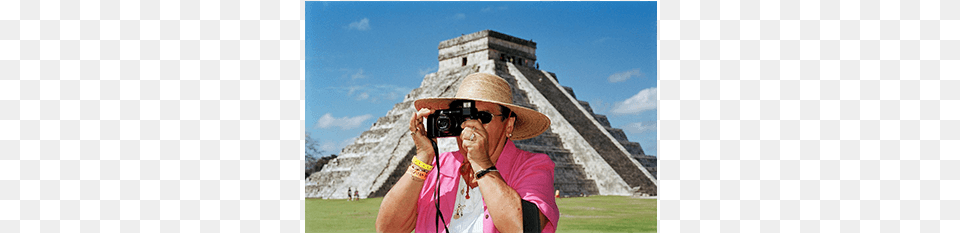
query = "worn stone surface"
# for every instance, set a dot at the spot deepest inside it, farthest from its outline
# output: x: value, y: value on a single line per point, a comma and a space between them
x: 591, y: 157
x: 486, y: 45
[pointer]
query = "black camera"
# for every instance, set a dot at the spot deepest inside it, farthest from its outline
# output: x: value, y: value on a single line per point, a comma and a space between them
x: 447, y: 122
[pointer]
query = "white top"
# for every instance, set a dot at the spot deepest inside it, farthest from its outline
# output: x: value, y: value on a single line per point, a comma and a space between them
x: 467, y: 213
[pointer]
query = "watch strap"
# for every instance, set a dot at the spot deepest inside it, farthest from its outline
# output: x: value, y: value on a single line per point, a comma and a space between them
x: 485, y: 171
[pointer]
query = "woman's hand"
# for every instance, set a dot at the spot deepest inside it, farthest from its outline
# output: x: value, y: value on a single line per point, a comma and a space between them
x: 425, y: 151
x: 474, y: 138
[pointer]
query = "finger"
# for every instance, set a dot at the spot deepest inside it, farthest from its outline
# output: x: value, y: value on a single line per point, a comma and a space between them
x: 413, y: 122
x: 470, y: 124
x: 465, y: 134
x: 424, y: 112
x: 475, y: 126
x: 466, y: 130
x: 478, y: 137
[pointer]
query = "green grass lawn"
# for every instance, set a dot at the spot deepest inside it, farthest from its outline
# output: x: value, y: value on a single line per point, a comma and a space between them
x: 580, y: 214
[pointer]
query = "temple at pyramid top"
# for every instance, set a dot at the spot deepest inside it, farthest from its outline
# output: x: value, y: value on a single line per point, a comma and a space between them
x: 487, y: 45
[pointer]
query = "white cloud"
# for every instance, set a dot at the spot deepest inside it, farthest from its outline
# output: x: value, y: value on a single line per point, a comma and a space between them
x: 328, y: 147
x: 490, y: 8
x: 362, y: 25
x: 327, y: 121
x: 641, y: 127
x: 358, y: 75
x: 645, y: 100
x: 623, y: 76
x: 375, y: 93
x: 460, y: 16
x: 352, y: 89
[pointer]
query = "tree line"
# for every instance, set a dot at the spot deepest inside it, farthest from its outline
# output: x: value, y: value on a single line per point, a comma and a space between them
x: 313, y: 156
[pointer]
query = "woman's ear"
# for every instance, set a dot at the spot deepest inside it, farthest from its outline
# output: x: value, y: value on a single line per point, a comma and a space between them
x: 508, y: 128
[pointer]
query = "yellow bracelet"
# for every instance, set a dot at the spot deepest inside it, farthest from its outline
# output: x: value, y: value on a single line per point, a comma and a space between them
x: 421, y: 164
x: 417, y: 173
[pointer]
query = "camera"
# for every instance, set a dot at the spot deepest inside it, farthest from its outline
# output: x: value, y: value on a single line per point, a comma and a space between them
x: 447, y: 122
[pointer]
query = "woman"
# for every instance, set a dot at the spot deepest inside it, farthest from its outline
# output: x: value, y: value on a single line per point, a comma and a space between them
x: 488, y: 185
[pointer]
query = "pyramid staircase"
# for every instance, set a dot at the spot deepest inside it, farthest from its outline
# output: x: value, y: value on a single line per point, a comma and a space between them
x: 568, y: 177
x: 636, y: 152
x: 595, y: 134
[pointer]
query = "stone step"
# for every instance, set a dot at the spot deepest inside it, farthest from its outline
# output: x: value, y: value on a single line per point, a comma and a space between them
x: 402, y: 109
x: 575, y: 188
x: 389, y: 121
x: 321, y: 184
x: 545, y: 139
x: 602, y: 119
x: 542, y: 149
x: 570, y: 90
x: 617, y: 134
x: 652, y: 170
x: 560, y: 160
x: 373, y: 135
x: 648, y: 162
x: 398, y: 172
x: 558, y: 156
x: 554, y: 76
x: 357, y: 148
x: 344, y: 162
x: 586, y: 105
x: 632, y: 147
x: 564, y: 176
x: 566, y: 166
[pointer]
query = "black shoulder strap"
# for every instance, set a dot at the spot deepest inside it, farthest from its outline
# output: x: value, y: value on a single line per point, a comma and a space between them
x: 531, y: 216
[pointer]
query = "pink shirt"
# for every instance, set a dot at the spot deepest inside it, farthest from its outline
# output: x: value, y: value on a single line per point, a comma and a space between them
x: 530, y: 174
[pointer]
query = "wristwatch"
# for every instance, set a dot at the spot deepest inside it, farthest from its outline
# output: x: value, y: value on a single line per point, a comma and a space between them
x: 485, y: 171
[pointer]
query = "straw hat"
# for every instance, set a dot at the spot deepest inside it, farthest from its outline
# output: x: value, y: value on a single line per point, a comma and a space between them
x: 493, y: 89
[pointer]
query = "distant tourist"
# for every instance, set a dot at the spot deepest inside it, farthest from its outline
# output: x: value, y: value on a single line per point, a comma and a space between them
x: 557, y: 194
x: 349, y: 197
x: 356, y: 195
x: 486, y: 140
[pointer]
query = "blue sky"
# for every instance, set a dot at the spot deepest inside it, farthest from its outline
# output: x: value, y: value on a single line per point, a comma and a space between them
x: 364, y: 57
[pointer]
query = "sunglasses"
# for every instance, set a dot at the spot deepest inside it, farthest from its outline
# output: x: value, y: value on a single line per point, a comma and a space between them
x: 485, y: 117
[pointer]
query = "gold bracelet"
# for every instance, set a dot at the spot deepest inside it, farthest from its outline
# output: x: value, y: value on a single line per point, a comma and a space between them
x: 421, y: 164
x: 417, y: 173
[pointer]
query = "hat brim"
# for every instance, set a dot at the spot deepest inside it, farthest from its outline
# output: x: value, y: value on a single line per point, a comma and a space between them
x: 529, y: 123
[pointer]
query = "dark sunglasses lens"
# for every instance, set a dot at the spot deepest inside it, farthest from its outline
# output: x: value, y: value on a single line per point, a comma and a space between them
x: 485, y: 117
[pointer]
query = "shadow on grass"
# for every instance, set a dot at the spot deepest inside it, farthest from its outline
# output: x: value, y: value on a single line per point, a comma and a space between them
x: 580, y: 214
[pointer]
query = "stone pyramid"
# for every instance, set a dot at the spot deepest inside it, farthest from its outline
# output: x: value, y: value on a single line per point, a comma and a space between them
x: 591, y: 157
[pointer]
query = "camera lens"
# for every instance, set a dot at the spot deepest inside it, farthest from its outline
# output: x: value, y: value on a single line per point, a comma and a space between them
x: 443, y: 123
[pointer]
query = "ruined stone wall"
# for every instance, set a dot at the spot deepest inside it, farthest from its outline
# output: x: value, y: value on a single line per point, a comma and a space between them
x: 513, y: 48
x: 486, y: 34
x: 472, y: 59
x: 466, y: 47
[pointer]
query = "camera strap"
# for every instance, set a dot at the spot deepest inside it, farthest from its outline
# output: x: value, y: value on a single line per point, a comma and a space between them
x: 439, y: 215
